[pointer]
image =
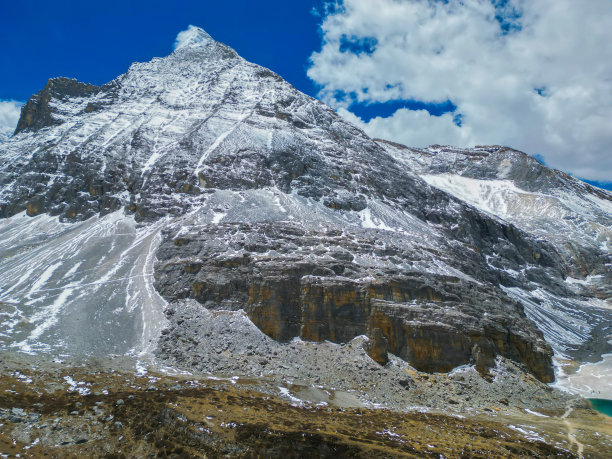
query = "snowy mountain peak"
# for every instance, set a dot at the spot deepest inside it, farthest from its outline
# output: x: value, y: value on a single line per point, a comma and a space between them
x: 210, y: 163
x: 192, y: 37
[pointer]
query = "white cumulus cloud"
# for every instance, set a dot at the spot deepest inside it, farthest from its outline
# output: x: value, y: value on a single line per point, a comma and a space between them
x: 9, y: 116
x: 191, y: 36
x: 532, y: 74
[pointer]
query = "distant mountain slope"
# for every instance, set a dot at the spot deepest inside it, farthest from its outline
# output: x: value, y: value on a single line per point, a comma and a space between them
x: 574, y: 217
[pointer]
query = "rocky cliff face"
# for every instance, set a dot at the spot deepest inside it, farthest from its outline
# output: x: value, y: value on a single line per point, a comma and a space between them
x: 234, y: 189
x: 318, y: 286
x: 38, y: 112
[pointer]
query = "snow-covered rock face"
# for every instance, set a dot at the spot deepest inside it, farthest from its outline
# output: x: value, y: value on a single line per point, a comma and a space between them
x: 200, y: 175
x: 158, y: 136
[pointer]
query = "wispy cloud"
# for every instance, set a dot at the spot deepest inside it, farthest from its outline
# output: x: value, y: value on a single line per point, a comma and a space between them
x: 532, y: 75
x: 9, y: 116
x: 191, y: 36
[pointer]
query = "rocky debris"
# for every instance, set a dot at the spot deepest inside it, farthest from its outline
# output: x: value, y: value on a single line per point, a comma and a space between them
x: 19, y: 415
x: 227, y: 344
x: 191, y: 417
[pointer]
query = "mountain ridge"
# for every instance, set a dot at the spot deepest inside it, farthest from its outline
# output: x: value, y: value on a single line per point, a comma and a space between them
x: 200, y: 154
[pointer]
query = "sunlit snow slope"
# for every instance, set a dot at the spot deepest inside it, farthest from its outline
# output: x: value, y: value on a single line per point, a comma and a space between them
x: 78, y: 287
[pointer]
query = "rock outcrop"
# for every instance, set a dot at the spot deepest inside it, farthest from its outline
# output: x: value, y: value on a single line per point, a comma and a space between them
x: 39, y: 111
x: 311, y: 284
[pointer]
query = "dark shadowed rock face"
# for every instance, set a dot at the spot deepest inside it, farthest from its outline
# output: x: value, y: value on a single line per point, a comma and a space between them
x: 38, y: 112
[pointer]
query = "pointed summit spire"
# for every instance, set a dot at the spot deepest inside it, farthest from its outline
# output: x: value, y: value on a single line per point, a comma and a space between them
x: 192, y: 37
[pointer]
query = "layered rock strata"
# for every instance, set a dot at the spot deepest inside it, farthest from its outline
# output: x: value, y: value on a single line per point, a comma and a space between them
x: 308, y: 284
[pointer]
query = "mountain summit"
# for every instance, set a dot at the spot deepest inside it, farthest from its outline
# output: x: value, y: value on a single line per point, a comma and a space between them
x: 192, y: 37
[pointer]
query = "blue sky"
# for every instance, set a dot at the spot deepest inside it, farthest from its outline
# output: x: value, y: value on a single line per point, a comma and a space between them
x: 373, y: 61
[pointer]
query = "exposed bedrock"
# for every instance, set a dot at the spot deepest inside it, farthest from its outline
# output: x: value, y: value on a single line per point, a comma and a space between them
x: 308, y: 284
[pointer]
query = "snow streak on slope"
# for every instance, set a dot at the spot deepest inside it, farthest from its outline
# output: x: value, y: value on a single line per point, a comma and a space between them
x: 566, y: 324
x: 81, y: 287
x: 534, y: 212
x: 492, y: 196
